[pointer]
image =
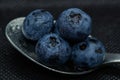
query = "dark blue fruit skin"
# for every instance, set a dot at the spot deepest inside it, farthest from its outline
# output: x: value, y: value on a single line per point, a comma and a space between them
x: 36, y: 24
x: 88, y: 54
x: 53, y: 50
x: 73, y: 24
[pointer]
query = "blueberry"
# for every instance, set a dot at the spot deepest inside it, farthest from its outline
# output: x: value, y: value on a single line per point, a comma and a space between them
x: 89, y: 53
x: 53, y: 50
x: 36, y: 24
x: 73, y: 24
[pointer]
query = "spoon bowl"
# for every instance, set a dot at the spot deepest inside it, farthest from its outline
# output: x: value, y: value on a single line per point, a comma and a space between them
x: 14, y: 34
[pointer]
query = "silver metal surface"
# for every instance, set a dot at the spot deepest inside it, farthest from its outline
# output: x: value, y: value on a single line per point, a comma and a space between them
x: 27, y: 48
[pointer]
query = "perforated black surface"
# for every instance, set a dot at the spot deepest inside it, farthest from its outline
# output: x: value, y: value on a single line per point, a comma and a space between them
x: 106, y: 27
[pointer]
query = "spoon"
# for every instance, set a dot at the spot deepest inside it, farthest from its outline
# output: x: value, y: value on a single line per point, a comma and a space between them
x: 14, y: 35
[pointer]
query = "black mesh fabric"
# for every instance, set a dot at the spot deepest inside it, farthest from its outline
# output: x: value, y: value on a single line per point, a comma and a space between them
x: 106, y: 27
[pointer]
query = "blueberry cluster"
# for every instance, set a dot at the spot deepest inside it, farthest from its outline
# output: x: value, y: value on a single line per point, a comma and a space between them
x: 66, y: 38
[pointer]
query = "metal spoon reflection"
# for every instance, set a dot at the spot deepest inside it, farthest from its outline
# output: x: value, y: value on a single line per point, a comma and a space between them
x: 14, y: 35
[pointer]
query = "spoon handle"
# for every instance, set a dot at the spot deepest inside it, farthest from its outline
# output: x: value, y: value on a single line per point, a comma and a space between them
x: 112, y: 58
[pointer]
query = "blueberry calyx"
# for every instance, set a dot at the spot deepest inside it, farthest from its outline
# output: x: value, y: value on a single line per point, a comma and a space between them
x: 53, y: 41
x: 82, y: 46
x: 75, y: 17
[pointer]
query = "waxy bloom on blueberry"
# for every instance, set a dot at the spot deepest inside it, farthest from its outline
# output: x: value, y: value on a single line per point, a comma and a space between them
x: 73, y: 24
x: 38, y: 23
x: 89, y: 53
x: 53, y: 50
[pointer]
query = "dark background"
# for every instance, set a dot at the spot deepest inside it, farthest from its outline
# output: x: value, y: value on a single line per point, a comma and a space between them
x: 106, y: 27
